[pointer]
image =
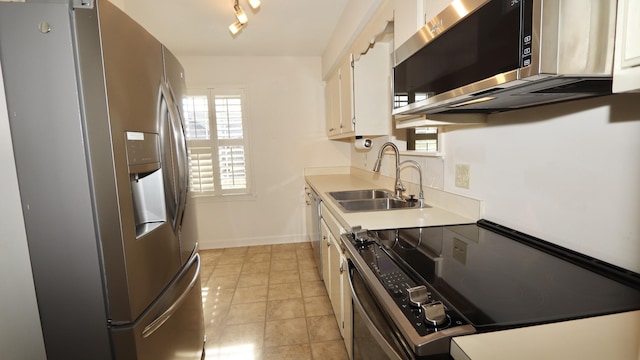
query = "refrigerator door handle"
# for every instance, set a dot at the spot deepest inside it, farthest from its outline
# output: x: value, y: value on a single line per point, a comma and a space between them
x: 160, y: 320
x: 168, y: 166
x: 181, y: 154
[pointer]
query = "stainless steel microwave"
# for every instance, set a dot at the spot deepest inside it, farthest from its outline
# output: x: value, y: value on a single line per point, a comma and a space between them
x: 483, y: 56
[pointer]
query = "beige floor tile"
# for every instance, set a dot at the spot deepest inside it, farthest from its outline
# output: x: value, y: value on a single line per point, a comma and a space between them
x: 283, y: 256
x: 286, y: 332
x: 313, y: 289
x: 256, y: 267
x: 293, y: 352
x: 213, y: 333
x: 243, y: 334
x: 309, y: 274
x: 231, y: 259
x: 205, y: 273
x: 246, y: 313
x: 233, y: 352
x: 307, y: 264
x: 214, y: 315
x: 258, y: 257
x: 217, y: 297
x: 250, y: 294
x: 259, y: 249
x: 284, y: 291
x: 284, y: 277
x: 250, y: 279
x: 316, y: 306
x: 210, y: 257
x: 333, y: 350
x: 235, y: 251
x: 280, y: 248
x: 306, y: 253
x: 227, y: 269
x: 284, y: 265
x: 323, y: 328
x: 285, y: 309
x: 219, y: 282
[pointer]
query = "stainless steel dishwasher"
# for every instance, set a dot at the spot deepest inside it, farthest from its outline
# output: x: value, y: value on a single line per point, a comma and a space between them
x: 314, y: 204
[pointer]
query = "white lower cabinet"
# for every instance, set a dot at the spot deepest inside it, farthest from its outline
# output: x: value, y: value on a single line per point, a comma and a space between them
x: 326, y: 277
x: 336, y: 277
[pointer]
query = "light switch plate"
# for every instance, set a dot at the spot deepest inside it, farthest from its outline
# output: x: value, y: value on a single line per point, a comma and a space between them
x: 463, y: 175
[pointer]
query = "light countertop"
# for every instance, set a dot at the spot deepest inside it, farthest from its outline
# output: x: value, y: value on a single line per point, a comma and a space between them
x: 435, y: 215
x: 612, y: 337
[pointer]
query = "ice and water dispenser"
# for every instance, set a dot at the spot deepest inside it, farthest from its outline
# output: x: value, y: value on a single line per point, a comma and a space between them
x: 145, y: 175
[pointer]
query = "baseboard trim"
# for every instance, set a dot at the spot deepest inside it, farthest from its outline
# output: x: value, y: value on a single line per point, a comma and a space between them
x: 252, y: 241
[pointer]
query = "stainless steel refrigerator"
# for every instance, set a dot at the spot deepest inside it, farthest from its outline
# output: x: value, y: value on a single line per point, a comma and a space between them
x: 94, y: 103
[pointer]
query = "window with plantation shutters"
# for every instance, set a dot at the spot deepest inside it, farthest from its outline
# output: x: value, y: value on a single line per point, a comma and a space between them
x: 215, y: 126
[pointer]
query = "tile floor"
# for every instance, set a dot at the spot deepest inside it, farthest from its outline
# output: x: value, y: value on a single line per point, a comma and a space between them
x: 267, y: 303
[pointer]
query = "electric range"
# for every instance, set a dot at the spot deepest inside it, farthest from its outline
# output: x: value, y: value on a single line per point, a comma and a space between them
x: 459, y: 279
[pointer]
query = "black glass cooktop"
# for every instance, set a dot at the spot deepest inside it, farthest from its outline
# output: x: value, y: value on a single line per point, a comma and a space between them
x: 498, y: 278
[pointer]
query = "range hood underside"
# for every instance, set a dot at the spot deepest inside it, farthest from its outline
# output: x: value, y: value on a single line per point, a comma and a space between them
x: 499, y: 99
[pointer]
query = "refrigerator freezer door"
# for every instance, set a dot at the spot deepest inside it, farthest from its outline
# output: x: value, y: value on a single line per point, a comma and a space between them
x: 172, y: 328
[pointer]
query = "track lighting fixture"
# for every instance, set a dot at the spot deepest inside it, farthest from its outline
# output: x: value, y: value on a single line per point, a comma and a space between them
x: 241, y: 16
x: 254, y: 4
x: 236, y: 27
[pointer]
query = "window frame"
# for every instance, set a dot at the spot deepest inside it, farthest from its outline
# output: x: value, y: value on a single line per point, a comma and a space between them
x: 412, y: 137
x: 214, y: 143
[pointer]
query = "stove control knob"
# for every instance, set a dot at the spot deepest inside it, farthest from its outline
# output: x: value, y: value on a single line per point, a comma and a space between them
x: 418, y: 295
x: 434, y: 313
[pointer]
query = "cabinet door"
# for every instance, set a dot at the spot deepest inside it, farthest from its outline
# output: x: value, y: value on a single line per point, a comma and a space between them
x: 411, y: 15
x: 372, y: 91
x: 324, y: 248
x: 626, y: 73
x: 346, y: 97
x: 332, y: 98
x: 336, y: 281
x: 347, y: 308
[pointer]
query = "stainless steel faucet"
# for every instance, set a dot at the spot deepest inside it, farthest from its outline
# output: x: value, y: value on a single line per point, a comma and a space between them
x: 376, y: 168
x: 421, y: 193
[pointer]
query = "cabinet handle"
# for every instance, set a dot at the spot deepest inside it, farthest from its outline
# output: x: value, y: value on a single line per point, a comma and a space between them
x: 341, y: 267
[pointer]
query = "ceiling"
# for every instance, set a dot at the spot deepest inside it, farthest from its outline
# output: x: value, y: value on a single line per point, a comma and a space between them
x: 277, y: 28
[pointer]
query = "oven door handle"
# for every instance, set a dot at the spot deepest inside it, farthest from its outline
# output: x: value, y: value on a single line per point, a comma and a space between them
x: 378, y: 337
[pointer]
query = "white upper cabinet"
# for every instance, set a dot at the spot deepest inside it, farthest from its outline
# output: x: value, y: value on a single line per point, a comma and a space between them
x: 372, y: 90
x: 358, y: 91
x: 626, y: 70
x: 339, y: 101
x: 411, y: 15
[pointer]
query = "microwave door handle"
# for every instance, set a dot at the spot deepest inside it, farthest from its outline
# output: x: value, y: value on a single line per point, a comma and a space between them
x: 378, y: 337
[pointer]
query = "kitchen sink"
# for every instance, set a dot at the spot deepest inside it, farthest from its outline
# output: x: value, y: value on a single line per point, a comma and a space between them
x: 378, y: 204
x: 372, y: 200
x: 361, y: 194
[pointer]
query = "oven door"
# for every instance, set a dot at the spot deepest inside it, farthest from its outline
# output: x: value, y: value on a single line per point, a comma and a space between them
x: 374, y: 336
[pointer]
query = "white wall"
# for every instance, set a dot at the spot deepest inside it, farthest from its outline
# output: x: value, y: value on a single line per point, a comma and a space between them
x: 567, y: 173
x: 20, y: 334
x: 285, y: 108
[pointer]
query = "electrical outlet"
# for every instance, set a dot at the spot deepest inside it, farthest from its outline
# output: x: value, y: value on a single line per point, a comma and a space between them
x: 463, y: 175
